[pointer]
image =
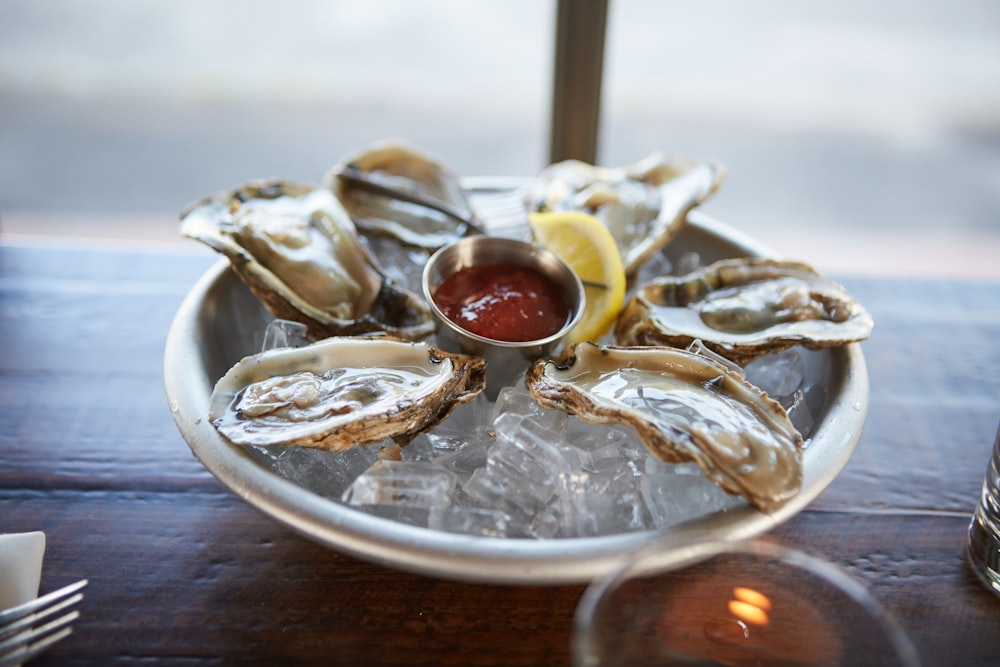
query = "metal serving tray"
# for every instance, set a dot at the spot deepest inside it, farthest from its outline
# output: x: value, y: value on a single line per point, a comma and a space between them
x: 220, y: 321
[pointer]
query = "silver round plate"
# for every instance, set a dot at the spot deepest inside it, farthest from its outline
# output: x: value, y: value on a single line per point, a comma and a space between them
x: 220, y: 321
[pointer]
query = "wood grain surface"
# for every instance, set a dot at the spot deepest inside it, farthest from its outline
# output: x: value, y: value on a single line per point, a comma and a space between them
x: 184, y: 573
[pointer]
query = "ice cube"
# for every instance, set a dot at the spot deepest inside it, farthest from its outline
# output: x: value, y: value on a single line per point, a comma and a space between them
x: 617, y: 502
x: 607, y: 458
x: 588, y: 436
x: 421, y: 448
x: 566, y: 505
x: 537, y: 437
x: 468, y: 422
x: 545, y: 524
x: 488, y: 490
x: 502, y: 486
x: 284, y: 333
x: 573, y: 457
x: 410, y: 483
x: 322, y: 472
x: 524, y: 461
x: 464, y: 460
x: 469, y: 521
x: 780, y: 374
x: 801, y: 415
x: 608, y: 501
x: 515, y: 399
x: 674, y: 497
x: 492, y: 491
x: 410, y: 515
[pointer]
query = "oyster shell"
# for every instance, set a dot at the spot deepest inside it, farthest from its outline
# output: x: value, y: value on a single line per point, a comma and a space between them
x: 342, y: 392
x: 684, y: 407
x: 643, y: 204
x: 743, y: 308
x: 401, y: 167
x: 296, y: 248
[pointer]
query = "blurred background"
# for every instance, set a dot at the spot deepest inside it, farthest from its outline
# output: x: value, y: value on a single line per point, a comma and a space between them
x: 862, y: 137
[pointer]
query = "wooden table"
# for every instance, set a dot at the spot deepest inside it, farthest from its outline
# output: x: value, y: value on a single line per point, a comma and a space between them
x: 182, y: 572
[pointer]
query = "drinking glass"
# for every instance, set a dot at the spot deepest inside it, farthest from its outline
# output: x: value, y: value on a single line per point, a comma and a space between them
x: 983, y: 548
x: 748, y: 602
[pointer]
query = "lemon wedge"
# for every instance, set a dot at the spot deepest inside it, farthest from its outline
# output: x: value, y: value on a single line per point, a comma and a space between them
x: 583, y: 242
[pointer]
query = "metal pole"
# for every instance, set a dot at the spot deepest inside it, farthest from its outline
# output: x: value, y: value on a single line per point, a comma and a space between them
x: 579, y: 66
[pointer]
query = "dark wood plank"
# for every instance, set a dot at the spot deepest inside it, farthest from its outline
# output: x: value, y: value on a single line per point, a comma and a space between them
x: 81, y: 367
x: 205, y: 578
x: 934, y: 387
x: 914, y: 565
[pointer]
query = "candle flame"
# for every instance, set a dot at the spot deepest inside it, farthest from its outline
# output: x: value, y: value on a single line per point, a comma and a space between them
x: 750, y: 606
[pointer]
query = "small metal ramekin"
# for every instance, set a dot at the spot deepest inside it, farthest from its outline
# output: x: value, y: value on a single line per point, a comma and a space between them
x: 505, y: 360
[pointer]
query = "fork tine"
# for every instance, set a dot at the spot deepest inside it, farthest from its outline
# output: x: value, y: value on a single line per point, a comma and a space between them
x: 32, y: 641
x: 504, y: 213
x: 14, y: 613
x: 23, y: 622
x: 352, y: 174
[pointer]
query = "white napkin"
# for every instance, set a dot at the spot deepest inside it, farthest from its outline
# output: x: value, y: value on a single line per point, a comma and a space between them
x: 20, y: 567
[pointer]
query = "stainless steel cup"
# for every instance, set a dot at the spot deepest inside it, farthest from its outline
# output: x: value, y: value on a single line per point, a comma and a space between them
x: 505, y: 361
x: 983, y: 548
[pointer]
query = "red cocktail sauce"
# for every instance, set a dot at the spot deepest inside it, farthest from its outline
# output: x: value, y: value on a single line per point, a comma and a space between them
x: 503, y: 302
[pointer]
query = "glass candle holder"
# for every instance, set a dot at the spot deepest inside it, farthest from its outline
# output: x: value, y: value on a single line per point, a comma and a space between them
x: 734, y: 603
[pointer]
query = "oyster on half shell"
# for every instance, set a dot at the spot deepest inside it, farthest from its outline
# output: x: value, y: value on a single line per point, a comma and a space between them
x: 743, y: 308
x: 684, y: 407
x: 342, y: 392
x: 401, y: 167
x: 643, y: 204
x: 298, y: 251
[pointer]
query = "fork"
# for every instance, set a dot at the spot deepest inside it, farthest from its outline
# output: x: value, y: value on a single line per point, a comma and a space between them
x: 353, y: 175
x: 500, y: 211
x: 29, y: 629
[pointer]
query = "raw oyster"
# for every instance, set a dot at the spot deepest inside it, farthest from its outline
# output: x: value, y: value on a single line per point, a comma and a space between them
x: 743, y: 308
x: 297, y: 249
x: 643, y: 204
x: 401, y: 167
x: 684, y: 407
x: 342, y: 392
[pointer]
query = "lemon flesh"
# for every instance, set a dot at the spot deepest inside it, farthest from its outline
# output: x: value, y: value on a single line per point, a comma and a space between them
x: 586, y: 245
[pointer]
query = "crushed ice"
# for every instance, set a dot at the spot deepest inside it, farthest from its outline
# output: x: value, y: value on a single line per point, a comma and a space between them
x: 510, y: 468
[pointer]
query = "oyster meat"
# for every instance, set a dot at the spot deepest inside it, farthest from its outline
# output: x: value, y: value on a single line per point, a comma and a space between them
x: 684, y: 407
x: 298, y: 251
x: 399, y: 166
x: 743, y: 308
x: 643, y: 204
x: 342, y: 392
